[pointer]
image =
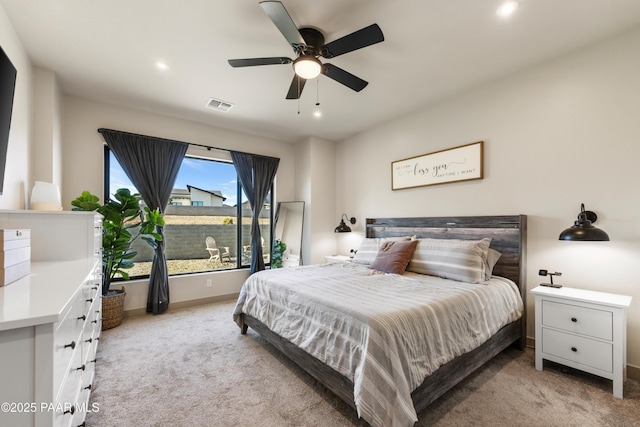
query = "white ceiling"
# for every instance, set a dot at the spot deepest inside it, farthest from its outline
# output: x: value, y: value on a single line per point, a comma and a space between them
x: 106, y: 49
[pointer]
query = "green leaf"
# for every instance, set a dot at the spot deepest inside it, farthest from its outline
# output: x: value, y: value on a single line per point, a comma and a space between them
x: 124, y: 222
x: 86, y: 202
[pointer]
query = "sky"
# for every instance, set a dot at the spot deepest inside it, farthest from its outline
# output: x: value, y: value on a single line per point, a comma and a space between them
x: 204, y: 174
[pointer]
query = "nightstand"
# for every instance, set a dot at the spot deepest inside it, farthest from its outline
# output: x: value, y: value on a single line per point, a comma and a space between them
x: 585, y: 330
x: 335, y: 258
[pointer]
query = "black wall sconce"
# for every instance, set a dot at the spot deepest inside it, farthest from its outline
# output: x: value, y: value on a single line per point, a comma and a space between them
x: 342, y: 227
x: 583, y: 230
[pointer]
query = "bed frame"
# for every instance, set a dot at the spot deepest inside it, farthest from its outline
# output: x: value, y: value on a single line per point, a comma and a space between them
x: 508, y: 235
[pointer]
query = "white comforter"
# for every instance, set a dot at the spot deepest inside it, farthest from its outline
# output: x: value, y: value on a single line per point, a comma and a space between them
x: 385, y: 332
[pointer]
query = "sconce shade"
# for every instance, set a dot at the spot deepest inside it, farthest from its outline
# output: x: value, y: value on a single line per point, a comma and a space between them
x: 583, y: 230
x: 342, y: 227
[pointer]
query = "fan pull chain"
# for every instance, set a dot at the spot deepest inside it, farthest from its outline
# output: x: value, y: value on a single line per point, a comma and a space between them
x: 298, y: 83
x: 317, y: 92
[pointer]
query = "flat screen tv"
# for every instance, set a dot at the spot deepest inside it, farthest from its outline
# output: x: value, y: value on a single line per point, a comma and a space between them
x: 7, y: 89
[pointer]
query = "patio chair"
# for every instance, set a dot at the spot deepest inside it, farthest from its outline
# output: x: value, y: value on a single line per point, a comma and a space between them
x: 246, y: 252
x: 214, y: 252
x: 225, y: 254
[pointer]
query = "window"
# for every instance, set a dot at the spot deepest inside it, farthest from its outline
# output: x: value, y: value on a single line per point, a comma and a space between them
x: 207, y: 202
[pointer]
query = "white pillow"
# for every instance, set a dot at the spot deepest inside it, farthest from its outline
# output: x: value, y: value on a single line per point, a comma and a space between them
x: 369, y: 247
x: 367, y: 251
x: 461, y: 260
x: 492, y: 258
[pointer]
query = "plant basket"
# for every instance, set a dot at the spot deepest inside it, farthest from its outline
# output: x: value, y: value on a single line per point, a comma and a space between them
x: 112, y: 309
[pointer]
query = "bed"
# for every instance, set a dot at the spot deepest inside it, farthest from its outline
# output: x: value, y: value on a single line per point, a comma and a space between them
x: 311, y: 312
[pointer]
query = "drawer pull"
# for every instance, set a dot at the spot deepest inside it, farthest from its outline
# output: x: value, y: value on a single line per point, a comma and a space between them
x: 574, y: 349
x: 573, y: 319
x: 87, y: 387
x: 94, y: 321
x: 18, y: 233
x: 89, y: 340
x: 89, y: 300
x: 82, y: 425
x: 72, y: 345
x: 81, y: 368
x: 94, y: 288
x: 83, y: 317
x: 71, y: 410
x: 93, y: 361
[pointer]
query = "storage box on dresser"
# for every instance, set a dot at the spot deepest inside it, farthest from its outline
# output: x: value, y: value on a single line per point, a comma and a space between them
x: 50, y: 320
x: 15, y: 254
x: 583, y: 329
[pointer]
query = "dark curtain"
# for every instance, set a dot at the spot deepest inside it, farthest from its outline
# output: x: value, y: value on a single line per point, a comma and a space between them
x: 256, y: 174
x: 152, y: 165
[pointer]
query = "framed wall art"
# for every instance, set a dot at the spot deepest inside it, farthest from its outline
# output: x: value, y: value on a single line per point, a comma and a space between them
x: 462, y: 163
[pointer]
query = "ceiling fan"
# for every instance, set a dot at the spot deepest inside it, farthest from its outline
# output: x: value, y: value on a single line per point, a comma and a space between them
x: 308, y: 44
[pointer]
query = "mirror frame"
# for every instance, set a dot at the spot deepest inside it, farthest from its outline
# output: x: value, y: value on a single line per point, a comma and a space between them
x: 277, y: 216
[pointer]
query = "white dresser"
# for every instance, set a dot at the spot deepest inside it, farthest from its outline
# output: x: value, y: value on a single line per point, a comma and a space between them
x: 50, y: 321
x: 585, y: 330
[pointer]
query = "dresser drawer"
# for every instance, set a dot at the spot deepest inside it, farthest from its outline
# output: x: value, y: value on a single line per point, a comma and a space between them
x: 581, y: 320
x: 585, y: 351
x: 66, y: 403
x: 67, y: 340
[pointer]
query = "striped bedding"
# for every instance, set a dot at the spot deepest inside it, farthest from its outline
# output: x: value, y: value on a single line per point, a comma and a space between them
x: 385, y: 332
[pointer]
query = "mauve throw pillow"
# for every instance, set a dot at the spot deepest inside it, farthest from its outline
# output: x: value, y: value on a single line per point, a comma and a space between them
x: 393, y: 257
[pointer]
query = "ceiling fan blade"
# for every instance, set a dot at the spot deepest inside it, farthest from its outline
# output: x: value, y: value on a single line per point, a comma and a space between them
x: 354, y: 41
x: 344, y: 77
x: 250, y: 62
x: 280, y: 17
x: 295, y: 90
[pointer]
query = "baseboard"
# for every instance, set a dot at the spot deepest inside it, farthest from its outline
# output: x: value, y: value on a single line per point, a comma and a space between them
x: 182, y: 304
x: 531, y: 342
x: 633, y: 372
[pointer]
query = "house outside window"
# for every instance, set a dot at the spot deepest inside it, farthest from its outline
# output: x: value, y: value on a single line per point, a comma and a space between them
x: 207, y: 202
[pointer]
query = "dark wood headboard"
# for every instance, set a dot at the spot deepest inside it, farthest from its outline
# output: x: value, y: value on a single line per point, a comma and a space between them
x: 508, y: 236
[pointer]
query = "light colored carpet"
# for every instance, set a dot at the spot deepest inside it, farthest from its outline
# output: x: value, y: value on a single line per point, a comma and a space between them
x: 192, y: 367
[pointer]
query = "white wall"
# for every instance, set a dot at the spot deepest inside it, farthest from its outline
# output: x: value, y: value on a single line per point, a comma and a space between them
x: 83, y: 170
x: 47, y: 138
x: 557, y: 135
x: 17, y: 173
x: 315, y: 184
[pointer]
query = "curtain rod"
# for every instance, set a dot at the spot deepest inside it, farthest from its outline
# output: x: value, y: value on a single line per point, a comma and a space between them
x: 101, y: 130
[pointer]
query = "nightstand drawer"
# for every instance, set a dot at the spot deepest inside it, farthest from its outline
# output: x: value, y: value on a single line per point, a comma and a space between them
x: 585, y: 351
x: 581, y: 320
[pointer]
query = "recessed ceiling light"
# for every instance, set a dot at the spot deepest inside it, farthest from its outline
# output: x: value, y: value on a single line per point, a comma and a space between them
x: 317, y: 114
x: 507, y: 8
x: 161, y: 65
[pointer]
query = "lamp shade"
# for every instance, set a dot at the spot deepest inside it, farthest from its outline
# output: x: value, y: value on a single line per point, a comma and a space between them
x: 583, y: 229
x: 307, y: 67
x: 45, y: 196
x: 343, y: 227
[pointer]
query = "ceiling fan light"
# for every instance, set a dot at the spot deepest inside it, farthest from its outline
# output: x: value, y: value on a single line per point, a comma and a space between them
x: 307, y: 67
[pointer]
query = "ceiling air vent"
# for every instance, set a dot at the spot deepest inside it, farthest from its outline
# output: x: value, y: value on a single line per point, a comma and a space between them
x: 216, y: 104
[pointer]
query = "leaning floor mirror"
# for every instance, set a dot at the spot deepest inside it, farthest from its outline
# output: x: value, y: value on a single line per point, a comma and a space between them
x: 287, y: 251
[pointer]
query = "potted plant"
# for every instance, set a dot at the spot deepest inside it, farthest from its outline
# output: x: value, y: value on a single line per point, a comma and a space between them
x: 124, y: 221
x: 279, y: 248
